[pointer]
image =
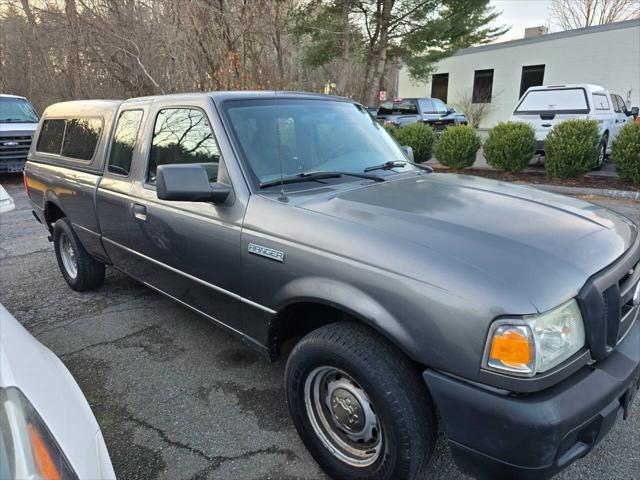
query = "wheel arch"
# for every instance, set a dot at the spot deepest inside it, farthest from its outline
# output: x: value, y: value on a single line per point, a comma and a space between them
x: 322, y: 301
x: 53, y: 210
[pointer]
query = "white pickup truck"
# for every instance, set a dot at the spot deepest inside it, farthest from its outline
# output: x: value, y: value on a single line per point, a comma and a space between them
x: 545, y: 106
x: 18, y: 122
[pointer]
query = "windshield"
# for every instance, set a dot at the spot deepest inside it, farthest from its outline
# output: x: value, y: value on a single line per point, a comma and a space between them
x: 16, y: 110
x: 562, y: 100
x: 308, y: 136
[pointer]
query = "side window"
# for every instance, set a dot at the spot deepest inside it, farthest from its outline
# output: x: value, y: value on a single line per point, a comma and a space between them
x: 600, y: 101
x: 440, y: 106
x: 50, y: 140
x: 616, y: 105
x: 124, y: 140
x: 183, y: 135
x: 426, y: 106
x: 623, y: 106
x: 81, y: 138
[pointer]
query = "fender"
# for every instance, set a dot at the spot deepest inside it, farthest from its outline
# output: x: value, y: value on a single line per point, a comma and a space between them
x: 349, y: 299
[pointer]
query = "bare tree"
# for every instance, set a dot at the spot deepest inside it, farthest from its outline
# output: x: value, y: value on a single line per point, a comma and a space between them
x: 477, y: 111
x: 572, y: 14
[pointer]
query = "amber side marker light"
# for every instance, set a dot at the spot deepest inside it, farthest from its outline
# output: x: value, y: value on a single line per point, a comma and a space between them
x: 46, y: 464
x: 512, y: 349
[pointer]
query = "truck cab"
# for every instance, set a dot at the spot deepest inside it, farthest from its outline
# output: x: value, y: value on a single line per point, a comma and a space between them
x: 18, y: 122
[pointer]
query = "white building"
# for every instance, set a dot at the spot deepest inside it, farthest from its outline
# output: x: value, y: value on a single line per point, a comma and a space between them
x: 607, y: 55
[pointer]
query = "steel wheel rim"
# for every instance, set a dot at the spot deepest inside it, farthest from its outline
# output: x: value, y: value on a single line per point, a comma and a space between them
x: 68, y: 255
x: 601, y: 154
x: 343, y: 417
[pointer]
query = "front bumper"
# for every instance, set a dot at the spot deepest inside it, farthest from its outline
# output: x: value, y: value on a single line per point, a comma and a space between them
x: 494, y: 434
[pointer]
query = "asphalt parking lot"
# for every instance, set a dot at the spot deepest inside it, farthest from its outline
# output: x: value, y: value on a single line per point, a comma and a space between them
x: 176, y: 397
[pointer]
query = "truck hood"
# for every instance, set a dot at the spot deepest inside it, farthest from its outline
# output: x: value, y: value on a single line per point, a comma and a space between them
x: 544, y: 245
x: 19, y: 128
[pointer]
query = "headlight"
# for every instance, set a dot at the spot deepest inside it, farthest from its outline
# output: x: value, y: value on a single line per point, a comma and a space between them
x: 27, y: 449
x: 537, y: 343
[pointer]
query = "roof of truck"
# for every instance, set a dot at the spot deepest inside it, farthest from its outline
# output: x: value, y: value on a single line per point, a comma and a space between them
x: 6, y: 95
x: 239, y: 95
x: 82, y: 107
x: 587, y: 86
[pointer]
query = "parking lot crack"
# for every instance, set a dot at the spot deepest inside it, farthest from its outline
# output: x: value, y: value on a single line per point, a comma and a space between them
x: 169, y: 441
x: 218, y: 461
x: 108, y: 342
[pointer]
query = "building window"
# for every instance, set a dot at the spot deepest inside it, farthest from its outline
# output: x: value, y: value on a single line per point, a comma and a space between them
x: 482, y: 86
x: 440, y: 86
x: 532, y: 76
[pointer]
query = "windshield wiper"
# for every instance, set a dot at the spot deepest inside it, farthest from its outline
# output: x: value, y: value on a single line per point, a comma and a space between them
x: 15, y: 120
x: 386, y: 165
x: 397, y: 163
x: 312, y: 176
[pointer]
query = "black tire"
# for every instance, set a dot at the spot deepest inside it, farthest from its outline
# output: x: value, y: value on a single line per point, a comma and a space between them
x: 398, y: 398
x: 602, y: 153
x: 89, y: 272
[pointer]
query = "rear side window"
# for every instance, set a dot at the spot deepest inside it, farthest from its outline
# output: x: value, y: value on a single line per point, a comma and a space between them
x: 81, y: 138
x: 124, y: 141
x: 50, y: 140
x: 600, y: 101
x: 183, y: 135
x: 562, y: 100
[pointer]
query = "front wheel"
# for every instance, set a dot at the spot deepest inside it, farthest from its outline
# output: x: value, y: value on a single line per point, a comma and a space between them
x: 358, y: 404
x: 80, y: 270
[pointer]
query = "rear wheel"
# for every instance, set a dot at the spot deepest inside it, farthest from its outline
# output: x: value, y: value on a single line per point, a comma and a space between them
x: 80, y: 270
x: 359, y: 405
x: 602, y: 153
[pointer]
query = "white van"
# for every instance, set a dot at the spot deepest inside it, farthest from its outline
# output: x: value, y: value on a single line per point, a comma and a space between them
x: 545, y: 106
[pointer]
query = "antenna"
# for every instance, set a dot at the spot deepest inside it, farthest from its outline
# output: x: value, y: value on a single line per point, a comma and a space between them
x: 283, y: 196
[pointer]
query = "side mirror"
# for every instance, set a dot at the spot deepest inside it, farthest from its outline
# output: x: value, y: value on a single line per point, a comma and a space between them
x: 450, y: 110
x: 408, y: 152
x: 188, y: 183
x: 633, y: 112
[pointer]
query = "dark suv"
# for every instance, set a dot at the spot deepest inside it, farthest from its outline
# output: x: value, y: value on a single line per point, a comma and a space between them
x: 432, y: 111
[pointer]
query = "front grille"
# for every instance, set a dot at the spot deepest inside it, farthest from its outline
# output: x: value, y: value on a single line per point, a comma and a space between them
x: 14, y: 148
x: 627, y: 287
x: 607, y: 305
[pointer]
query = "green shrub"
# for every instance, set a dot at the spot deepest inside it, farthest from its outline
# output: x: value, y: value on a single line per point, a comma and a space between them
x: 625, y: 151
x: 571, y: 148
x: 419, y: 137
x: 392, y: 129
x: 510, y: 146
x: 457, y: 146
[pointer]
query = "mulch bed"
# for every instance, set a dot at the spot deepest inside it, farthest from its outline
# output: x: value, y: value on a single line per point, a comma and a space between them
x: 607, y: 183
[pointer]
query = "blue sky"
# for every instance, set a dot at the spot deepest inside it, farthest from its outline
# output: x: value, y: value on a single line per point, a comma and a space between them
x: 520, y: 14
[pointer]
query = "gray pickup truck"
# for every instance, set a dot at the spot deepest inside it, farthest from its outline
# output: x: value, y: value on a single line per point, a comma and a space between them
x: 418, y: 301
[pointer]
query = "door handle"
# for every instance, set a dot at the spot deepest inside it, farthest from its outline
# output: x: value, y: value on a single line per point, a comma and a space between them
x: 139, y: 211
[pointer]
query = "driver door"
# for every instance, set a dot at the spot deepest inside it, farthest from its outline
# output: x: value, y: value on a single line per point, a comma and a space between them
x: 188, y: 250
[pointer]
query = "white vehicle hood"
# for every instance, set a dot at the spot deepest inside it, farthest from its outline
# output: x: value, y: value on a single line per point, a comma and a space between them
x: 17, y: 127
x: 47, y: 384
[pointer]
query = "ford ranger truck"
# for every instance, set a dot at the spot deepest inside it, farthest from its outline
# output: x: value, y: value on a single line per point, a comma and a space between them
x: 18, y: 122
x: 418, y: 301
